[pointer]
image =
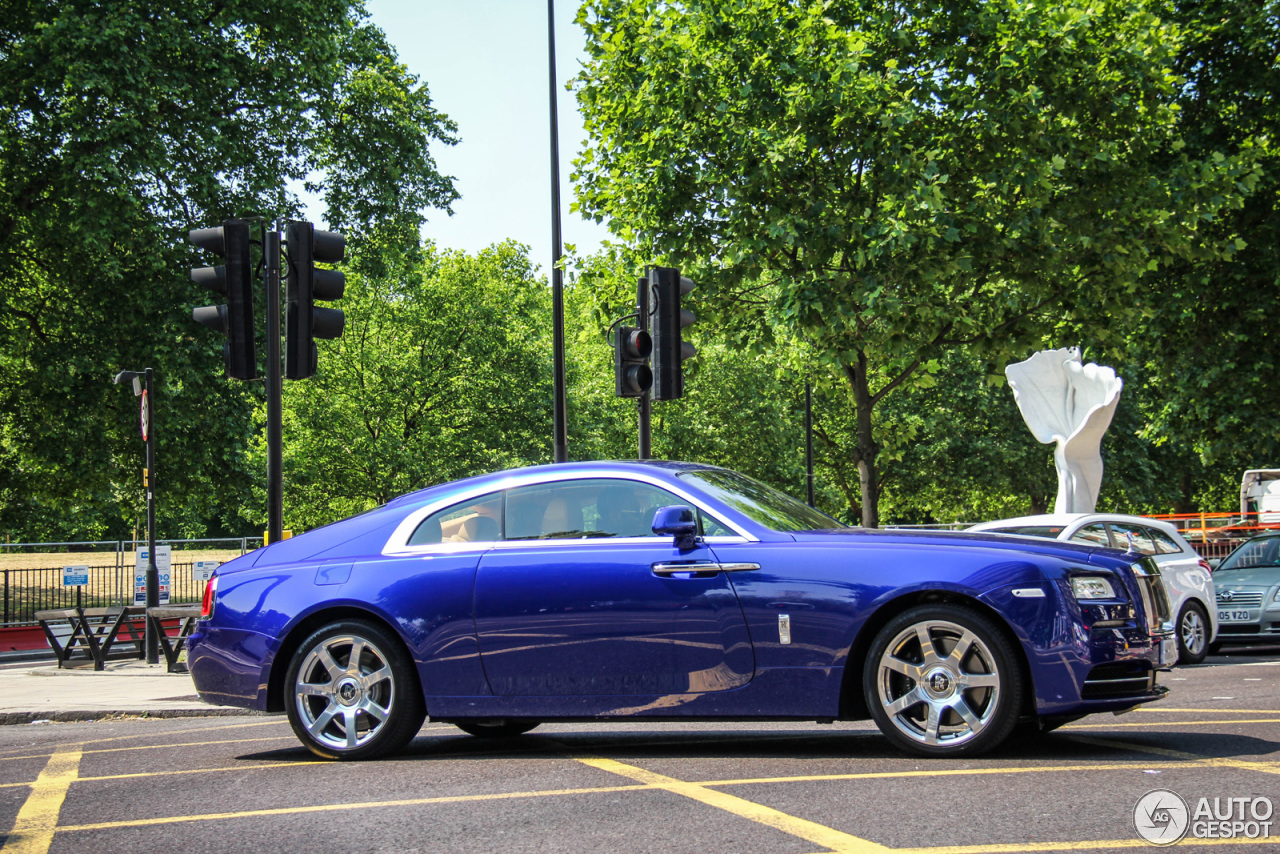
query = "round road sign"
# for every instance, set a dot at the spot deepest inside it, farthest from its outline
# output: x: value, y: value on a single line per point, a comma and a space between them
x: 145, y: 425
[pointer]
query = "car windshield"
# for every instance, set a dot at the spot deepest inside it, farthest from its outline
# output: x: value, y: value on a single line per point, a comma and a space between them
x: 759, y: 503
x: 1253, y: 554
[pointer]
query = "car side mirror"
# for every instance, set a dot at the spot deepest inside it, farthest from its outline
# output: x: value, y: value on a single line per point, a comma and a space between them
x: 1214, y: 563
x: 679, y: 521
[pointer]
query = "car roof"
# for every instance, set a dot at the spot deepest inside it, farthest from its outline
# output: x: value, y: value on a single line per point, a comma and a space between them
x: 605, y: 467
x: 1068, y: 519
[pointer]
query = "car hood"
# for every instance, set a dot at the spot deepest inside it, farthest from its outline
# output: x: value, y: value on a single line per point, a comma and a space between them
x: 1262, y: 576
x: 963, y: 539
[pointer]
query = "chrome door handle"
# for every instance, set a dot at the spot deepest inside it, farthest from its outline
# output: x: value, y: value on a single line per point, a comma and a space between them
x: 672, y: 568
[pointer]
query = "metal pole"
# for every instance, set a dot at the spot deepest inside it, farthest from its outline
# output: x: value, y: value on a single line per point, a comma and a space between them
x: 808, y: 440
x: 559, y: 407
x: 151, y: 642
x: 275, y: 390
x: 644, y: 404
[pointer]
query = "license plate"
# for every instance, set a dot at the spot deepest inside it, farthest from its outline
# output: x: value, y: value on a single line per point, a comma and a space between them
x: 1235, y: 616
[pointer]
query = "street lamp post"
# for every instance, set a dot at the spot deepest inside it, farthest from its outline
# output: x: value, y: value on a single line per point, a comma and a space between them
x: 143, y: 387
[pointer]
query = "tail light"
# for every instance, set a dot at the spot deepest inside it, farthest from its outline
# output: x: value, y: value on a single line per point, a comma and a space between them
x: 1206, y: 566
x: 206, y: 604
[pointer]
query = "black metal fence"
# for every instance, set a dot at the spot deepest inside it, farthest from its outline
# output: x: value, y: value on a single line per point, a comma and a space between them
x: 111, y: 574
x: 29, y: 590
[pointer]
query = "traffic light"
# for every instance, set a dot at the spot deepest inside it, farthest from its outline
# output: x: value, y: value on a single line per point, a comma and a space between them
x: 631, y: 373
x: 667, y: 318
x: 234, y: 279
x: 305, y: 320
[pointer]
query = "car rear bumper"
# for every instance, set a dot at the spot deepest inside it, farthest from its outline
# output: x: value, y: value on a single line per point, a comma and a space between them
x: 227, y: 666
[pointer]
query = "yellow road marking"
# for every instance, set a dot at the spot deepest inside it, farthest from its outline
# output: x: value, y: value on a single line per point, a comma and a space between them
x: 289, y: 737
x: 37, y: 820
x: 413, y: 802
x: 1208, y: 711
x: 277, y: 721
x: 948, y: 772
x: 1172, y: 723
x: 1087, y: 845
x: 808, y: 830
x: 1244, y: 764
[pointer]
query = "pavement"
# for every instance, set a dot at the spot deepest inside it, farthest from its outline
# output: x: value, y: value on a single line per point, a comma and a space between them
x: 31, y: 692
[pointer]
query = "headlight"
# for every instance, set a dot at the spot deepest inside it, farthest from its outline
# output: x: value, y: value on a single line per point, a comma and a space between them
x: 1276, y: 598
x: 1092, y: 587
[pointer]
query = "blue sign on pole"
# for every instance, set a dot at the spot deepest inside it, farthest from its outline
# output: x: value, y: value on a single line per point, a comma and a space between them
x: 75, y: 576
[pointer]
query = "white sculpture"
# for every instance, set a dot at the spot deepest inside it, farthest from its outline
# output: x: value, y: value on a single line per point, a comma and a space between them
x: 1072, y: 404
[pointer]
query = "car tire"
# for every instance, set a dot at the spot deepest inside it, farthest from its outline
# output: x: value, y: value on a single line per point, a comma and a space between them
x: 505, y: 729
x: 1193, y: 634
x: 943, y: 680
x: 352, y: 693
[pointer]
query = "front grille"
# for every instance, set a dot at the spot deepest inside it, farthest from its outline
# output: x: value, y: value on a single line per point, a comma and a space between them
x: 1155, y: 602
x: 1231, y: 599
x: 1118, y: 679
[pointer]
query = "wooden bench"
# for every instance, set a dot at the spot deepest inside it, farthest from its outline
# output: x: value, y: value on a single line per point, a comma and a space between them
x: 94, y: 630
x: 165, y: 618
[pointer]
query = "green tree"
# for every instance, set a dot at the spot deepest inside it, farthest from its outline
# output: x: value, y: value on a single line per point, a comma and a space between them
x: 443, y: 372
x: 122, y: 125
x: 885, y: 182
x: 1208, y: 341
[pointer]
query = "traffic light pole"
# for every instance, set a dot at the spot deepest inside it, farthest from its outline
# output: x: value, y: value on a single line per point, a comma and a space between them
x: 559, y: 404
x: 645, y: 405
x: 808, y: 442
x: 275, y: 383
x: 151, y: 643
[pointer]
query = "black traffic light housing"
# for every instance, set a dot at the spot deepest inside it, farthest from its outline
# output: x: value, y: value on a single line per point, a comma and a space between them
x: 666, y: 320
x: 234, y: 279
x: 305, y: 321
x: 631, y: 373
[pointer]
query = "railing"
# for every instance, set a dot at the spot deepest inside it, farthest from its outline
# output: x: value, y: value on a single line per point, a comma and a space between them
x: 1219, y: 526
x: 111, y: 575
x: 29, y: 590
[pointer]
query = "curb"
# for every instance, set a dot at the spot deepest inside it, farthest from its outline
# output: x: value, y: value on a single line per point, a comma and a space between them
x: 15, y: 718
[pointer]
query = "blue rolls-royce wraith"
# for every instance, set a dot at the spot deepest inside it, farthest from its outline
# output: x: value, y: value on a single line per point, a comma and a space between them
x: 669, y: 591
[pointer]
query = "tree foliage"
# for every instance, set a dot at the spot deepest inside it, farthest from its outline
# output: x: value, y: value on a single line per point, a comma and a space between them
x: 122, y: 125
x: 442, y: 372
x: 889, y: 181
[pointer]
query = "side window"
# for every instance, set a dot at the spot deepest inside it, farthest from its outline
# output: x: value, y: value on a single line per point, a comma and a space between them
x: 1165, y: 544
x: 476, y: 521
x: 711, y: 527
x: 1094, y: 535
x: 583, y: 509
x: 1142, y: 541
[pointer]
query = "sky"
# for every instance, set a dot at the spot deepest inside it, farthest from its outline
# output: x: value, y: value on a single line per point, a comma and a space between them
x: 485, y: 65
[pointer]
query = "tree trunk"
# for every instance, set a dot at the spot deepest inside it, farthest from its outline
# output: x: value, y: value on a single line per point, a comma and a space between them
x: 866, y: 450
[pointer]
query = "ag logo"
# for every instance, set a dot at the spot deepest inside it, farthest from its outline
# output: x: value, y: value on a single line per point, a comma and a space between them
x: 1161, y: 817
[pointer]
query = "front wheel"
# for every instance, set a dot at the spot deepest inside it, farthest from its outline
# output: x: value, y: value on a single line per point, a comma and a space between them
x: 1193, y: 634
x: 942, y: 680
x: 352, y: 693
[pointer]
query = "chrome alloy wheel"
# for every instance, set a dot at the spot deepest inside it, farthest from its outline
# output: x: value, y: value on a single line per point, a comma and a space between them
x: 344, y: 691
x: 938, y: 683
x: 1194, y: 633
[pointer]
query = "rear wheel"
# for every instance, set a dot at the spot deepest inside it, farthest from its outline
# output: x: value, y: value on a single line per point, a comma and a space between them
x: 353, y: 693
x: 942, y: 680
x: 1193, y: 634
x: 495, y: 729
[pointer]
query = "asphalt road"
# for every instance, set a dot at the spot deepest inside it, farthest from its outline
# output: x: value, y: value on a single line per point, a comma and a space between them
x: 245, y: 784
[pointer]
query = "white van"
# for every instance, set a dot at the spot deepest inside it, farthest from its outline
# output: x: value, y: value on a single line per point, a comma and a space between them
x: 1260, y: 496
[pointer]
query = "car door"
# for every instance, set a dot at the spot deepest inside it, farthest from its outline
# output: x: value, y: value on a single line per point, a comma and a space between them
x: 582, y: 598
